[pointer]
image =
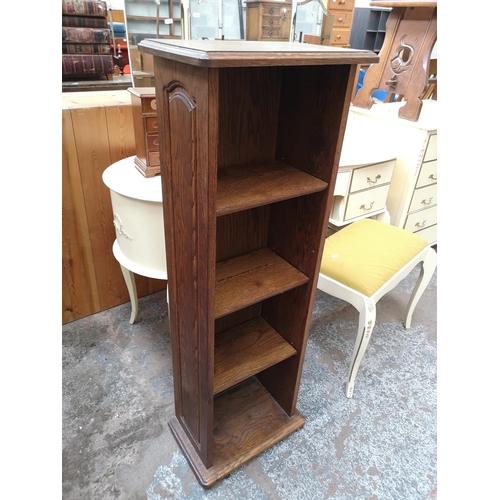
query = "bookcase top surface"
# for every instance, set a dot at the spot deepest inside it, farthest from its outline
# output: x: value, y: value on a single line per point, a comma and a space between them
x: 228, y: 53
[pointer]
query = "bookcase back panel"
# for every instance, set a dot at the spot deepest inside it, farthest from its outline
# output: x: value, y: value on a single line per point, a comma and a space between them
x: 242, y: 232
x: 310, y: 117
x: 248, y: 110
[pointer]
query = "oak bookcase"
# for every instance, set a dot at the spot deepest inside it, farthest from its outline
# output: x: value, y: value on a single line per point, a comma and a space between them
x: 250, y: 137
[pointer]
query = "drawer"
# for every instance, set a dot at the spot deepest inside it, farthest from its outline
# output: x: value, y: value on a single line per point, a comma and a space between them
x: 431, y: 150
x: 274, y: 10
x: 429, y: 234
x: 271, y: 22
x: 428, y: 174
x: 151, y: 125
x: 421, y: 220
x: 271, y: 32
x: 342, y: 20
x: 153, y: 142
x: 423, y: 197
x: 148, y: 105
x: 340, y: 5
x: 366, y: 202
x: 340, y: 36
x: 372, y: 175
x: 153, y: 158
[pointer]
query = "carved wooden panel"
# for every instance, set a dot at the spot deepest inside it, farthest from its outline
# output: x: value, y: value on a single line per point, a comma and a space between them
x: 411, y: 33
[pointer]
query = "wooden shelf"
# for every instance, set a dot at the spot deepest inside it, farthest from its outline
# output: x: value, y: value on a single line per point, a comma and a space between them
x: 247, y: 421
x: 245, y: 350
x: 151, y: 18
x: 242, y: 188
x: 251, y: 278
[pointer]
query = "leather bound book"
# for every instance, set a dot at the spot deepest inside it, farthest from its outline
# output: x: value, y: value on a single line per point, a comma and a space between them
x: 87, y: 64
x: 84, y: 8
x: 84, y: 22
x: 86, y: 48
x: 86, y: 35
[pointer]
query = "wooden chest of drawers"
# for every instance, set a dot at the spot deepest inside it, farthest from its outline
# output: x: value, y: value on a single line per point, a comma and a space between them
x: 147, y: 159
x: 412, y: 197
x: 268, y: 20
x: 342, y: 12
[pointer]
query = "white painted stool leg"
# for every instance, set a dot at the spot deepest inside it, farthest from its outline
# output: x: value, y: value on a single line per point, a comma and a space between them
x: 367, y: 316
x: 132, y: 291
x: 427, y: 268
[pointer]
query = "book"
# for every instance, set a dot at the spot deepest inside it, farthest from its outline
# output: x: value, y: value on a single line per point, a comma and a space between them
x: 87, y: 64
x: 86, y: 35
x: 87, y: 8
x: 86, y: 48
x: 84, y: 22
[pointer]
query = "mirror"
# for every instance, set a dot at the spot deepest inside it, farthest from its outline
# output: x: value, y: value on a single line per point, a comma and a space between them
x: 311, y: 21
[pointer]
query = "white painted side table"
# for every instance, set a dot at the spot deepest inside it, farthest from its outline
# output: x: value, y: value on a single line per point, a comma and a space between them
x: 364, y: 177
x: 139, y: 246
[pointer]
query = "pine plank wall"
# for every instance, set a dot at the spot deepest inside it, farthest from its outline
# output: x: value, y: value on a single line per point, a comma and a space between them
x: 97, y: 130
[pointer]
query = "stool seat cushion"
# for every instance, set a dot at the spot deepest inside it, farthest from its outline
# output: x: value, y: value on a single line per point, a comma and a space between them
x: 366, y: 254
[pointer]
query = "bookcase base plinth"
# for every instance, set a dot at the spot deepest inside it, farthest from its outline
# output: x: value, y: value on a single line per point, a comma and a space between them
x: 248, y: 421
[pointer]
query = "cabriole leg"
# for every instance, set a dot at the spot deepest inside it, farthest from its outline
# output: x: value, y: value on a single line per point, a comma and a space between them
x: 427, y: 268
x: 367, y: 318
x: 132, y: 291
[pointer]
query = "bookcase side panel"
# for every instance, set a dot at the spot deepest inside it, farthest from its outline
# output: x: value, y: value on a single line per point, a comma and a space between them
x: 189, y: 187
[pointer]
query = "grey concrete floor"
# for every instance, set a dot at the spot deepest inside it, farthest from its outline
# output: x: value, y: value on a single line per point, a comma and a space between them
x: 380, y: 445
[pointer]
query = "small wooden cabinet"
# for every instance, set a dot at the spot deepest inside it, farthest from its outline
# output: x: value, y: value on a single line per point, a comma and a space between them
x: 250, y: 136
x: 412, y: 197
x: 147, y: 159
x: 268, y: 20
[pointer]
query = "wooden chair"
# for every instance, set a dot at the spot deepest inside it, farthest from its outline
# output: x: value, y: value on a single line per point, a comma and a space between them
x: 364, y: 261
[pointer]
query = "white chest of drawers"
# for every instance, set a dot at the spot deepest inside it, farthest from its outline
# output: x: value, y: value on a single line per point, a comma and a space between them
x: 412, y: 197
x: 365, y: 171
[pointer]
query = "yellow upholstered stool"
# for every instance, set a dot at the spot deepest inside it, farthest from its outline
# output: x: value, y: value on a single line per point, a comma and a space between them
x: 364, y: 261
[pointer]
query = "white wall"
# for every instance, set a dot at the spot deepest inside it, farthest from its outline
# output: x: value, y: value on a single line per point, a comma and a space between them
x: 115, y: 4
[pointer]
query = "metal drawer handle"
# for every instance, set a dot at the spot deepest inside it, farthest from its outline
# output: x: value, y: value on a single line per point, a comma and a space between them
x: 432, y: 178
x: 271, y: 22
x: 363, y: 207
x: 375, y: 181
x: 271, y: 11
x: 424, y: 202
x: 421, y: 224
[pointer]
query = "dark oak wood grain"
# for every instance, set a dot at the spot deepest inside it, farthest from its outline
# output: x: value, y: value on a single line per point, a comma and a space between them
x: 247, y: 422
x: 250, y: 139
x: 245, y: 350
x: 226, y: 54
x: 242, y: 188
x: 250, y: 278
